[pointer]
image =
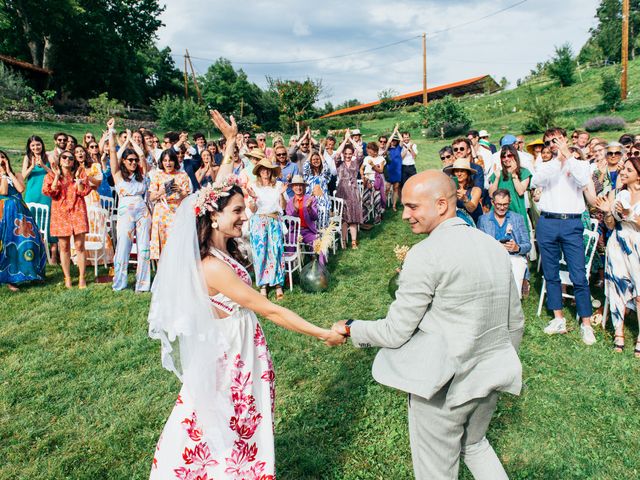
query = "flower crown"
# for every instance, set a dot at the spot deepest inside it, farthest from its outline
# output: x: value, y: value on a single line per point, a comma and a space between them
x: 207, y: 197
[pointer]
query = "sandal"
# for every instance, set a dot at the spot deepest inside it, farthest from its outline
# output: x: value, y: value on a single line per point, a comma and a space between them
x: 354, y: 245
x: 619, y: 347
x: 263, y: 291
x: 279, y: 293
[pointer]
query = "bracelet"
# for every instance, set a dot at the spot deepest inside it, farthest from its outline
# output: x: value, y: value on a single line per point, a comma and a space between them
x: 227, y: 161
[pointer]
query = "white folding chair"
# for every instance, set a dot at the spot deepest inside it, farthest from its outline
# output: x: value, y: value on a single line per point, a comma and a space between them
x: 107, y: 203
x: 337, y: 206
x: 292, y: 260
x: 590, y: 249
x: 96, y: 239
x: 40, y: 213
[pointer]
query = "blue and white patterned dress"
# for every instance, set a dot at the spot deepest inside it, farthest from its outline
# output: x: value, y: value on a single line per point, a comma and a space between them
x: 322, y: 180
x: 622, y: 269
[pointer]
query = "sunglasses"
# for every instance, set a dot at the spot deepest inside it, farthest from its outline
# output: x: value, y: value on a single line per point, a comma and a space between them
x: 446, y: 157
x: 500, y: 205
x: 611, y: 154
x: 66, y: 157
x: 635, y: 153
x: 507, y: 155
x: 304, y: 144
x: 93, y: 146
x: 131, y: 159
x: 281, y: 154
x: 459, y: 149
x: 548, y: 143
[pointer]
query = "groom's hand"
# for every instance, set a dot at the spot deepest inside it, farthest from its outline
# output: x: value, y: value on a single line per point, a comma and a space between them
x: 339, y: 327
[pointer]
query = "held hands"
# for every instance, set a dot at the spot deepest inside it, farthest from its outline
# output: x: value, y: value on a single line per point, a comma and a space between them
x: 331, y: 338
x: 339, y: 328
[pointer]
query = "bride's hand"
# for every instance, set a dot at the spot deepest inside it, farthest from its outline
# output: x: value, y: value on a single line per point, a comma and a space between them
x: 332, y: 338
x: 228, y: 130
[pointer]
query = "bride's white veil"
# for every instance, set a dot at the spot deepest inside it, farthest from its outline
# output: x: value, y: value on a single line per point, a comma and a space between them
x: 192, y: 343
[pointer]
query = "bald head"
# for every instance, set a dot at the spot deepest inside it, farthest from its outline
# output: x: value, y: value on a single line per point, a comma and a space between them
x: 429, y: 199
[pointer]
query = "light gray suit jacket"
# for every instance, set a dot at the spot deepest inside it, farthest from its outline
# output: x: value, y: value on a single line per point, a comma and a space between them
x: 457, y: 316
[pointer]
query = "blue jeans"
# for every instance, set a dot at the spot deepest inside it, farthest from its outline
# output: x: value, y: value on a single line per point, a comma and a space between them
x: 566, y: 236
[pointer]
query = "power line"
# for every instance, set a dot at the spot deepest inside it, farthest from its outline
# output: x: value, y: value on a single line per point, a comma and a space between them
x: 509, y: 7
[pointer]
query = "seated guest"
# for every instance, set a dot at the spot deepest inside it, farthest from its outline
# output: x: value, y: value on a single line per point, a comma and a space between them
x: 305, y: 207
x: 508, y: 227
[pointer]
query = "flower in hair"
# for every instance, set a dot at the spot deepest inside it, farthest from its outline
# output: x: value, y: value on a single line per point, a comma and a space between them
x: 208, y: 197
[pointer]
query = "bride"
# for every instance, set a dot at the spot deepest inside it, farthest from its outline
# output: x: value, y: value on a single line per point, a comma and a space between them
x: 203, y: 311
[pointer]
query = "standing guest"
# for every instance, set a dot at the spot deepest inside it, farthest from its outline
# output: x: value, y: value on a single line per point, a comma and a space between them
x: 204, y: 307
x: 446, y: 156
x: 151, y: 147
x: 300, y: 151
x: 480, y: 153
x: 328, y: 157
x: 622, y: 276
x: 261, y: 138
x: 168, y: 188
x: 627, y: 142
x: 317, y: 177
x: 484, y: 137
x: 468, y: 195
x: 196, y: 150
x: 508, y: 227
x: 208, y: 172
x: 287, y: 168
x: 71, y: 143
x: 512, y: 177
x: 67, y: 186
x: 87, y: 139
x: 606, y: 171
x: 451, y: 349
x: 409, y: 159
x: 60, y: 140
x: 22, y: 253
x: 359, y: 146
x: 246, y: 177
x: 394, y: 167
x: 534, y: 148
x: 267, y: 239
x: 580, y: 139
x: 559, y: 230
x: 462, y: 149
x: 35, y: 167
x: 304, y: 207
x: 134, y: 219
x: 237, y: 163
x: 525, y: 157
x: 212, y: 146
x: 371, y: 172
x: 348, y: 190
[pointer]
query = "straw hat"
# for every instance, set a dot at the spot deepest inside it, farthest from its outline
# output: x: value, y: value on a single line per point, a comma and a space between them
x: 530, y: 146
x: 297, y: 180
x: 355, y: 131
x: 266, y: 163
x: 483, y: 133
x: 256, y: 153
x: 459, y: 164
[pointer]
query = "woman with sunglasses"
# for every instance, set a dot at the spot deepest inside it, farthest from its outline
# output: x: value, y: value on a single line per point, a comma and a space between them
x: 134, y: 218
x: 317, y: 177
x: 513, y: 178
x: 87, y: 139
x: 395, y: 152
x: 67, y: 185
x: 348, y: 190
x: 22, y: 255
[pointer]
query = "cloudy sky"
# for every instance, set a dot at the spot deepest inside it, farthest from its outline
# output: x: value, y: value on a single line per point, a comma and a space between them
x: 465, y: 38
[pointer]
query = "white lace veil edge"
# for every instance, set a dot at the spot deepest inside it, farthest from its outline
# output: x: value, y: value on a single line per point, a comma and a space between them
x: 193, y: 344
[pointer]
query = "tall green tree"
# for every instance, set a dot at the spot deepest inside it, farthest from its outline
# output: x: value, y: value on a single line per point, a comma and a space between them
x: 563, y: 66
x: 295, y: 99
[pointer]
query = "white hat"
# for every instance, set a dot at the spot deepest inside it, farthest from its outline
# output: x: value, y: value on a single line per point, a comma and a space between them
x: 355, y: 131
x: 483, y: 133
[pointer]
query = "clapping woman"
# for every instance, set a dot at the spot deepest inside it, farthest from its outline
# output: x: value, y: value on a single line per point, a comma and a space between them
x: 622, y: 269
x: 348, y: 190
x: 317, y: 175
x: 168, y: 188
x: 35, y: 167
x: 134, y: 218
x: 512, y: 177
x: 22, y: 254
x: 67, y: 186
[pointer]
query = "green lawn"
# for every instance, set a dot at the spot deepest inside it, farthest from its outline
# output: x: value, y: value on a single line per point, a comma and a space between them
x: 83, y: 394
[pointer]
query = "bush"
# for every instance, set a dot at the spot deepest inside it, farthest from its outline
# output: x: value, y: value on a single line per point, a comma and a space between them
x: 16, y: 95
x: 603, y: 124
x: 563, y: 66
x: 103, y: 107
x: 542, y: 111
x: 446, y: 117
x: 611, y: 91
x: 175, y: 113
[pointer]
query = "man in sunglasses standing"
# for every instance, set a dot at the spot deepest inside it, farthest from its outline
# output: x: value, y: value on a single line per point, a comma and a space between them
x: 301, y: 151
x: 559, y: 230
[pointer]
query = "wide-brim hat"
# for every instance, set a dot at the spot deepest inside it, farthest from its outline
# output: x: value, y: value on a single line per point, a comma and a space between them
x: 266, y: 163
x: 297, y: 180
x: 459, y: 164
x: 532, y: 145
x: 355, y: 131
x: 256, y: 153
x: 483, y: 133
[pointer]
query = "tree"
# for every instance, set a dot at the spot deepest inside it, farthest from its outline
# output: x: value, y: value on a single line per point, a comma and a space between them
x: 504, y: 83
x: 445, y: 117
x: 386, y: 99
x: 563, y: 66
x: 542, y: 111
x: 348, y: 103
x: 611, y: 91
x: 295, y: 99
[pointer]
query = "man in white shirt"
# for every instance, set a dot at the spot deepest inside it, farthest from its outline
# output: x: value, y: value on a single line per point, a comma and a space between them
x: 559, y: 230
x: 409, y: 160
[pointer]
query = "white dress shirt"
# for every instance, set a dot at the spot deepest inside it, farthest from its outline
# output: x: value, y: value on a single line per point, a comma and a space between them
x: 562, y: 185
x: 412, y: 153
x: 331, y: 163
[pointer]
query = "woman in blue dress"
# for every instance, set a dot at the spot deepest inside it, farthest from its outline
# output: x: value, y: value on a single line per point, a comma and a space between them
x: 35, y: 166
x: 22, y: 254
x: 317, y: 175
x: 394, y: 165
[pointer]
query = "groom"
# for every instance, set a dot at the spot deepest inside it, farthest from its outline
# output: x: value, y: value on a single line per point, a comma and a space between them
x: 450, y: 337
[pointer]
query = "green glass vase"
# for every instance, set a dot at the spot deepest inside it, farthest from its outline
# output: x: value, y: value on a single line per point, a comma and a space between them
x: 314, y: 277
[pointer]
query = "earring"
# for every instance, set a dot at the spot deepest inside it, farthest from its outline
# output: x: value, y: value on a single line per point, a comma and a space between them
x: 214, y: 224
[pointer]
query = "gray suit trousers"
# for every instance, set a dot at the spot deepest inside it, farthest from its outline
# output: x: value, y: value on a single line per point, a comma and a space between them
x: 440, y: 434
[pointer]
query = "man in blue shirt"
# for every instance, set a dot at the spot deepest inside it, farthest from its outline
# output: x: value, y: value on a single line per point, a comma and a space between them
x: 509, y: 229
x: 288, y: 169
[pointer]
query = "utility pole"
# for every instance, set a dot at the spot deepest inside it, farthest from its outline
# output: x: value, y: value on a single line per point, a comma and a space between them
x: 186, y: 79
x: 424, y: 69
x: 193, y: 73
x: 625, y: 49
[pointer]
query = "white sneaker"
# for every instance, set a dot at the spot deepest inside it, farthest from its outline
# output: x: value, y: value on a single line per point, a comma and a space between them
x: 557, y: 325
x: 586, y: 332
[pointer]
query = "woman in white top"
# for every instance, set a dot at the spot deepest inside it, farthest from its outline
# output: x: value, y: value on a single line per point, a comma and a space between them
x: 265, y: 227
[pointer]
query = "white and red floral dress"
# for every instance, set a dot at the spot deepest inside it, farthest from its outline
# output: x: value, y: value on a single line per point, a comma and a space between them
x: 247, y: 374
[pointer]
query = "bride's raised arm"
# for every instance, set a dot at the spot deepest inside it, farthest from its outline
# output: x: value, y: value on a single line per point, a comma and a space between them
x: 220, y: 277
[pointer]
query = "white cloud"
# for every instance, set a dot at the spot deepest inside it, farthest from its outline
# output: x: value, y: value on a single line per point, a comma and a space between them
x: 507, y: 44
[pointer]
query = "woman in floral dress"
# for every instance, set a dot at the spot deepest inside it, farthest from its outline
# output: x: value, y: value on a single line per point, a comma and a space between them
x: 222, y: 423
x: 166, y: 202
x: 348, y: 190
x: 317, y: 175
